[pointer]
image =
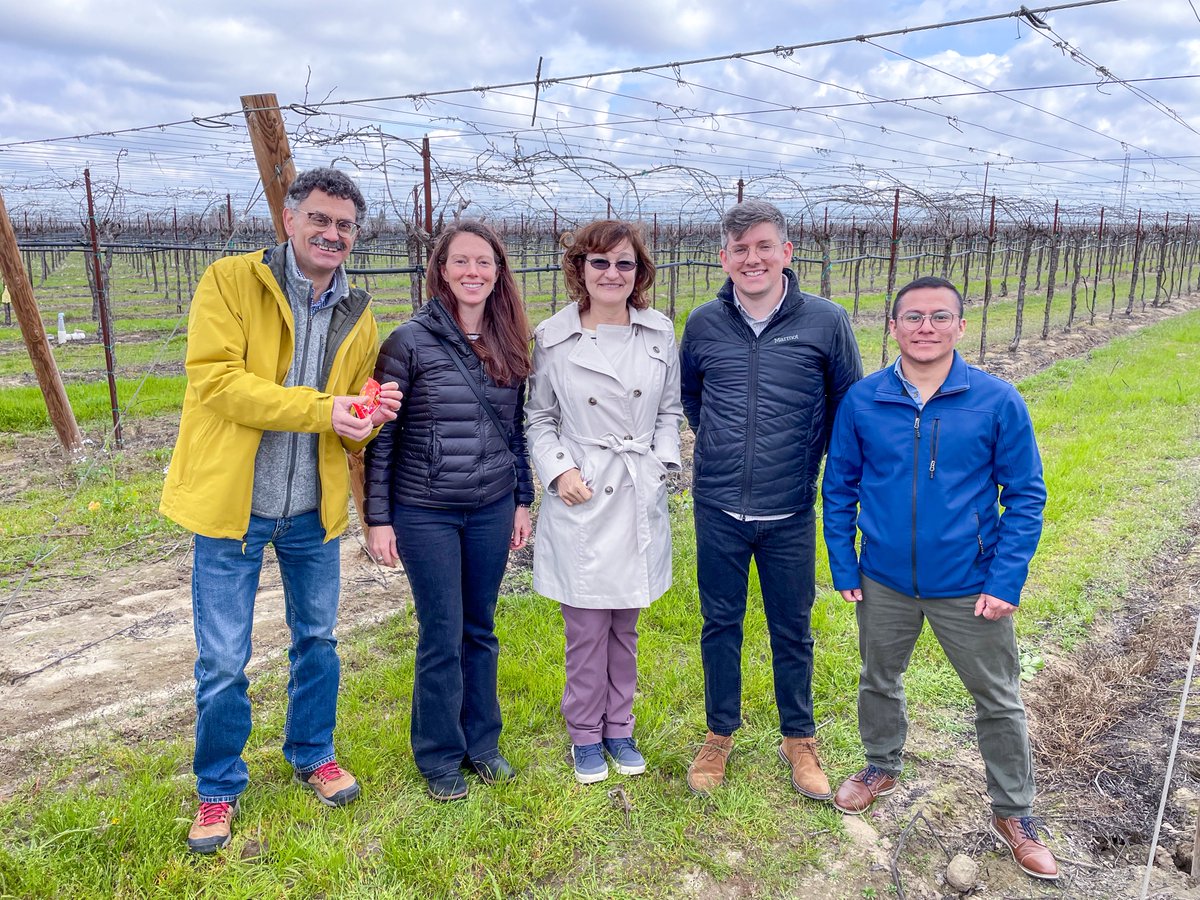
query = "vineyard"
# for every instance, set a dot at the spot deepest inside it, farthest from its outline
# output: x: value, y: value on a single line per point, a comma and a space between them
x: 1058, y: 192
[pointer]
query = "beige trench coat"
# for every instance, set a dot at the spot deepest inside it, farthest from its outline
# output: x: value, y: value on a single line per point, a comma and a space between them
x: 621, y: 430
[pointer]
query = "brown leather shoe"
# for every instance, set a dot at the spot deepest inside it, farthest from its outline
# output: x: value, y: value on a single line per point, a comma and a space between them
x: 807, y: 776
x: 1020, y: 835
x: 211, y: 830
x: 863, y: 788
x: 707, y: 770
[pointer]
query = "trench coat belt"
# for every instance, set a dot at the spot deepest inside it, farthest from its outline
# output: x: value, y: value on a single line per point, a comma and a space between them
x: 628, y: 449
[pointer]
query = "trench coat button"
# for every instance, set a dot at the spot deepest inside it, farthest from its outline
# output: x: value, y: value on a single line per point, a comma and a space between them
x: 591, y: 401
x: 662, y: 477
x: 637, y: 393
x: 655, y: 349
x: 608, y: 490
x: 558, y: 455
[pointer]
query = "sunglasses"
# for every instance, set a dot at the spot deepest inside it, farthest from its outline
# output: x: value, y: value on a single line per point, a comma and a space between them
x: 600, y: 264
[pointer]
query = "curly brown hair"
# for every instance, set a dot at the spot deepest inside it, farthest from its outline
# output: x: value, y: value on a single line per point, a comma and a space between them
x: 503, y: 343
x: 601, y: 237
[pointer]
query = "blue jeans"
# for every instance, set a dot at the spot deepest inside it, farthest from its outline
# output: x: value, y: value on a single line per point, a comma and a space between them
x: 224, y: 583
x: 784, y: 551
x: 455, y: 559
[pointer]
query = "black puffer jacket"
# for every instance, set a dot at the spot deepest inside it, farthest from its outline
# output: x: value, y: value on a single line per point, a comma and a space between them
x: 443, y: 450
x: 762, y: 407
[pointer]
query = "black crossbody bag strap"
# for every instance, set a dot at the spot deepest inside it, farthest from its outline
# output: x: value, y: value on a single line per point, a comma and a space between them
x: 452, y: 352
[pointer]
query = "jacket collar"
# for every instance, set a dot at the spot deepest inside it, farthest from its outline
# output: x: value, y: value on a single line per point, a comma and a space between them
x: 957, y: 379
x: 566, y: 324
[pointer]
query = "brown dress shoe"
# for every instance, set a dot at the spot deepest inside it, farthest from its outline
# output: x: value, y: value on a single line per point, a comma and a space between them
x: 863, y: 788
x: 707, y: 770
x: 1020, y: 835
x: 807, y: 776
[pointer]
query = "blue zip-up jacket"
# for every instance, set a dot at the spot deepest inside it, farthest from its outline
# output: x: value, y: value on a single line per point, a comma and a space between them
x: 762, y: 407
x: 925, y: 487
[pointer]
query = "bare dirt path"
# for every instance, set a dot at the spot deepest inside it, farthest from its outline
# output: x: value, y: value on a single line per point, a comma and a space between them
x: 83, y: 656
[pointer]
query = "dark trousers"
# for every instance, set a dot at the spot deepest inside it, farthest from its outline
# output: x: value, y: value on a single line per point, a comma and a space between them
x: 784, y: 551
x: 455, y: 560
x: 983, y: 653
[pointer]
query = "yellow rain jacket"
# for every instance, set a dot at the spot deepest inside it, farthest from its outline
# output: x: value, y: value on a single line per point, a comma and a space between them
x: 241, y: 338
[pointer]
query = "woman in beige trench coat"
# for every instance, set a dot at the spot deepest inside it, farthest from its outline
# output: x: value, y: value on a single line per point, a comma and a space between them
x: 604, y: 415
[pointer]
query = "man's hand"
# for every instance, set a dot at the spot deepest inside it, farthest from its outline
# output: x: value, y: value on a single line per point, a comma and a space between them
x: 993, y: 607
x: 346, y: 424
x: 854, y: 595
x: 381, y: 544
x: 522, y: 527
x: 389, y: 404
x: 571, y: 489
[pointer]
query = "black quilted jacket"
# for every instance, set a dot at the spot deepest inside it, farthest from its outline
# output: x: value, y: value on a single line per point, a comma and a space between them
x: 762, y: 407
x: 443, y: 450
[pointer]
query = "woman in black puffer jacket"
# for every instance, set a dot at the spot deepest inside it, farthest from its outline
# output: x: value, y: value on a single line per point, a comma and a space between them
x: 448, y: 493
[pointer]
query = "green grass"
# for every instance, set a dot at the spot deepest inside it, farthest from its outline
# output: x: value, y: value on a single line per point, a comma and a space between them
x: 1118, y: 431
x: 23, y: 409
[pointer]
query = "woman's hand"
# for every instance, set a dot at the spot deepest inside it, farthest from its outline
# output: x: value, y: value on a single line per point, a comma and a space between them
x: 571, y: 488
x: 522, y: 528
x: 381, y: 544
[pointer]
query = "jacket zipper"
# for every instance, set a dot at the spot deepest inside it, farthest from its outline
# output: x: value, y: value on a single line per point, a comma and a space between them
x: 751, y: 424
x: 916, y: 469
x: 937, y: 427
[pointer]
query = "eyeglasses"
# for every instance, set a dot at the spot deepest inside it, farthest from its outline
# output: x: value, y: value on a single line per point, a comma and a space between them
x: 940, y: 320
x: 345, y: 227
x: 763, y: 250
x: 600, y: 264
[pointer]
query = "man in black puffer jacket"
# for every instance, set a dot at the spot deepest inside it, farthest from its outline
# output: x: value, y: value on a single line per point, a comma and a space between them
x: 764, y: 366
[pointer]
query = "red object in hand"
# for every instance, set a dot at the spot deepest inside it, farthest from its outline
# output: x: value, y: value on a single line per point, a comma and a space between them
x: 368, y: 400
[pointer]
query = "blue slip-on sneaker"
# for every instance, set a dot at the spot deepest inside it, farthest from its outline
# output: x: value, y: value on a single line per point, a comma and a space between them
x: 590, y: 765
x: 625, y: 755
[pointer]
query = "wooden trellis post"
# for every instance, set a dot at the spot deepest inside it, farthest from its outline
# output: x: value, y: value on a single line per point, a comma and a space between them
x: 16, y: 279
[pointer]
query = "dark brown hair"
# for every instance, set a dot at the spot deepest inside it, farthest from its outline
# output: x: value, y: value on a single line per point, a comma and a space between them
x: 503, y: 343
x: 601, y: 237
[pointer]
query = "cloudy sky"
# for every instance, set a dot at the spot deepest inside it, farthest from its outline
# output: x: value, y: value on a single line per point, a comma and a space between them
x: 1097, y: 106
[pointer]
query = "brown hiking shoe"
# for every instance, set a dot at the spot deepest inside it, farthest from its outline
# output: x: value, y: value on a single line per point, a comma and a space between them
x: 1020, y: 835
x: 807, y: 776
x: 211, y: 829
x: 332, y: 784
x: 863, y: 788
x: 707, y: 770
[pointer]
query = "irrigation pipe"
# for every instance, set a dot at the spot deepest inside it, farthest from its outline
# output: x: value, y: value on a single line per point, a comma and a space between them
x: 1162, y: 803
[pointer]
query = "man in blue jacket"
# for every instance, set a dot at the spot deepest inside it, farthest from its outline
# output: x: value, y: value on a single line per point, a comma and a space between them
x: 763, y: 368
x: 923, y: 454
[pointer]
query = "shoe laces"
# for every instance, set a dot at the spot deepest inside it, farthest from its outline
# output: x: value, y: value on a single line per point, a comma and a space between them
x: 330, y: 771
x: 713, y: 750
x: 1032, y: 825
x: 212, y: 813
x: 587, y: 751
x: 873, y: 772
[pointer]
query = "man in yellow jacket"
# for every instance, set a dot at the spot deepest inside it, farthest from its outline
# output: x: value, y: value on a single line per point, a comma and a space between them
x: 279, y: 346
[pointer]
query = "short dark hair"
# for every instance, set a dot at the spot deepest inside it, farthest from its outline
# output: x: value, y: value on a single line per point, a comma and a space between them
x: 927, y: 281
x: 741, y: 218
x: 328, y: 180
x: 601, y: 237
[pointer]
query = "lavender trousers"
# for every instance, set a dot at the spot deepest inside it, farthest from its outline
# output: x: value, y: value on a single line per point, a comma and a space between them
x: 601, y: 663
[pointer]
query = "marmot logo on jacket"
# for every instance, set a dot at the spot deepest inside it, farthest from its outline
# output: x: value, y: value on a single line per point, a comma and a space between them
x: 786, y: 338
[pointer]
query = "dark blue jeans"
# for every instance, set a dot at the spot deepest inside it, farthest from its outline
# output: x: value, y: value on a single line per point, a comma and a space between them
x: 454, y: 559
x: 224, y: 583
x: 784, y: 551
